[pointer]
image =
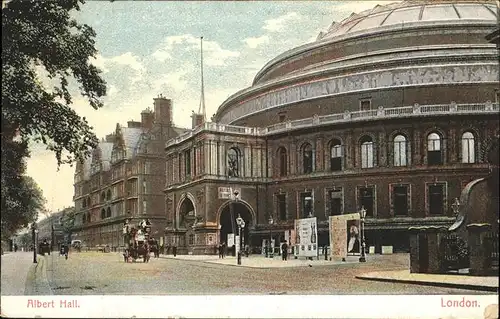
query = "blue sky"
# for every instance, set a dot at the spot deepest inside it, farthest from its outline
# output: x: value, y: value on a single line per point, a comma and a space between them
x: 152, y: 47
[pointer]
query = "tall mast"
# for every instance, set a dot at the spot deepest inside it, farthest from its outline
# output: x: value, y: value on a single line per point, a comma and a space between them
x: 202, y: 101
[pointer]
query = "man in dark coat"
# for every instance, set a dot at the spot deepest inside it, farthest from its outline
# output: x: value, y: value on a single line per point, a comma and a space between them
x: 284, y: 251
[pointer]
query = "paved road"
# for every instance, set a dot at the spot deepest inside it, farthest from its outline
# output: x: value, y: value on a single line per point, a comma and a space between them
x: 98, y: 273
x: 15, y: 268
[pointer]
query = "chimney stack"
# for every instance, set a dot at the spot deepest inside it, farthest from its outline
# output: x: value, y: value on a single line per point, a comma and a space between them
x: 163, y: 110
x: 147, y: 119
x: 196, y: 119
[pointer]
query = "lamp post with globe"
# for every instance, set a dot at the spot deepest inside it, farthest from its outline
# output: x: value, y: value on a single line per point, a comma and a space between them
x: 271, y: 246
x: 241, y: 224
x: 362, y: 214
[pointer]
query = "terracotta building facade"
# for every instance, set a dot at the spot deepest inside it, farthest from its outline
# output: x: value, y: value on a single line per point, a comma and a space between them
x: 331, y: 127
x: 124, y: 178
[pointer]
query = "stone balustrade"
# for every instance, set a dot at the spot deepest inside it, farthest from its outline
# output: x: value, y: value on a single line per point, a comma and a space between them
x: 376, y: 114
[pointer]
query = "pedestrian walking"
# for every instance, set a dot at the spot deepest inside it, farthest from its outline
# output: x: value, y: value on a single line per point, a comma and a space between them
x: 221, y: 254
x: 284, y: 251
x: 223, y: 249
x: 174, y: 250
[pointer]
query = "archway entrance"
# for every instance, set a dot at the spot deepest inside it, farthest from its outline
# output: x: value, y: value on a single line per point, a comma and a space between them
x: 228, y: 222
x: 186, y: 213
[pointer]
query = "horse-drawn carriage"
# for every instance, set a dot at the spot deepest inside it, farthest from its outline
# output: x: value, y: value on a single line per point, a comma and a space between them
x: 139, y: 242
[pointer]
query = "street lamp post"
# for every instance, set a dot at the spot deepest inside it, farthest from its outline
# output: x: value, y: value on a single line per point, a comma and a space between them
x: 234, y: 200
x: 271, y: 246
x: 362, y: 213
x: 241, y: 224
x: 33, y: 237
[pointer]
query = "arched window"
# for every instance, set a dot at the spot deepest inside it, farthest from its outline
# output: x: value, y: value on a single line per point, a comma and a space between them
x: 399, y: 150
x: 108, y: 195
x: 103, y: 196
x: 233, y: 165
x: 468, y: 154
x: 336, y: 155
x: 108, y: 212
x: 307, y: 158
x: 366, y: 152
x: 103, y: 213
x: 434, y: 155
x: 283, y: 161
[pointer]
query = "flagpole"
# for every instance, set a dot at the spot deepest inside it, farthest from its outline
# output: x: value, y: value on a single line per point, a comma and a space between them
x: 202, y: 102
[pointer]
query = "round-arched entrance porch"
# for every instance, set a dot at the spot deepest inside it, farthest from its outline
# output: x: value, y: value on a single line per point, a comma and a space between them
x: 229, y: 212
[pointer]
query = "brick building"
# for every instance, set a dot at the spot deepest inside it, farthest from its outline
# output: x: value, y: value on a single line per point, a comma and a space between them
x: 124, y: 178
x: 388, y: 110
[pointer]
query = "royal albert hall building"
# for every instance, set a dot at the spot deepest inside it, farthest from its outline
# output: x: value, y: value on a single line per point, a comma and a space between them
x: 389, y: 109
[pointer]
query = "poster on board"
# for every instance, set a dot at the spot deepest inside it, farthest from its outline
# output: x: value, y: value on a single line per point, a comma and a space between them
x: 306, y: 237
x: 344, y: 235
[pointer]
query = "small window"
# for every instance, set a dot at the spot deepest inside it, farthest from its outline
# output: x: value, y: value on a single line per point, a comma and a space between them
x: 400, y: 200
x: 306, y: 203
x: 187, y: 163
x: 336, y: 156
x: 307, y: 158
x: 468, y: 153
x: 435, y: 199
x: 367, y: 152
x: 283, y: 161
x: 366, y: 199
x: 400, y: 150
x: 335, y: 198
x: 144, y: 207
x: 191, y: 239
x: 365, y: 105
x: 434, y: 153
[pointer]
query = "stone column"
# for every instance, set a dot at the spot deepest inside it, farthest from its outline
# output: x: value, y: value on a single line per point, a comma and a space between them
x: 292, y: 156
x: 381, y: 150
x: 452, y: 146
x: 417, y: 157
x: 349, y: 150
x: 319, y: 154
x: 477, y: 254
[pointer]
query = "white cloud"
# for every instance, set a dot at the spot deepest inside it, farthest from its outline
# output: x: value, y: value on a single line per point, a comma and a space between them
x: 176, y: 80
x: 278, y: 24
x: 255, y: 42
x: 161, y: 55
x: 214, y: 54
x: 128, y: 59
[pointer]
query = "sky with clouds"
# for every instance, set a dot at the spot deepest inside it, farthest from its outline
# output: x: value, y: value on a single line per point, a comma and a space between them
x: 152, y: 47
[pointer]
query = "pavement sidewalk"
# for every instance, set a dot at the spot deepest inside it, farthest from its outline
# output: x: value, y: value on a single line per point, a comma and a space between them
x: 480, y: 283
x: 17, y: 270
x: 258, y: 261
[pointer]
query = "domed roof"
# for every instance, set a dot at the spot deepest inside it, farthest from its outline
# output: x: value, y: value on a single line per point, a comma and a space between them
x: 412, y: 11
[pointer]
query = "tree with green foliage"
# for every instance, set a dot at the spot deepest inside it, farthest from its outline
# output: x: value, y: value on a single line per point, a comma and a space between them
x: 42, y: 35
